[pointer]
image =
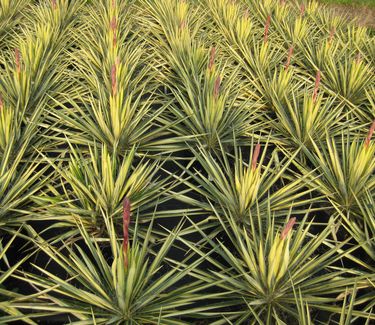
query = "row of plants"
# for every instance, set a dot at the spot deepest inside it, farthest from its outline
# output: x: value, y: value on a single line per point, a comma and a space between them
x: 185, y: 162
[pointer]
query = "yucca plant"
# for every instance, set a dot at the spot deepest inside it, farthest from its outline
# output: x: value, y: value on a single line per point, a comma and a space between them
x: 206, y: 105
x: 350, y: 77
x: 261, y: 269
x: 113, y: 103
x: 237, y: 184
x: 95, y: 184
x: 345, y: 317
x: 361, y: 226
x: 32, y: 71
x: 234, y: 132
x: 9, y: 313
x: 346, y: 168
x: 133, y: 286
x: 303, y: 120
x: 10, y: 16
x: 247, y: 45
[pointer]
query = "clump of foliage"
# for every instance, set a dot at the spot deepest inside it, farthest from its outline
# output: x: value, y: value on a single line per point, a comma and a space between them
x: 185, y: 162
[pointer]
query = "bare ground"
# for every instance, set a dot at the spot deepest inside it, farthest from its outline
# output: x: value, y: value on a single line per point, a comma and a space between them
x: 364, y: 15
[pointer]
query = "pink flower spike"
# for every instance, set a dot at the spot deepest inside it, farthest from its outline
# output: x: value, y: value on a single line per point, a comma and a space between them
x: 331, y: 35
x: 126, y: 221
x: 302, y: 9
x: 266, y: 28
x: 183, y: 24
x: 212, y: 58
x: 246, y: 14
x: 1, y: 102
x: 54, y: 4
x: 358, y: 58
x: 369, y: 134
x: 290, y: 53
x: 217, y: 87
x: 255, y: 157
x: 282, y: 2
x: 18, y: 60
x: 288, y: 227
x: 114, y: 80
x: 113, y: 24
x: 317, y: 83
